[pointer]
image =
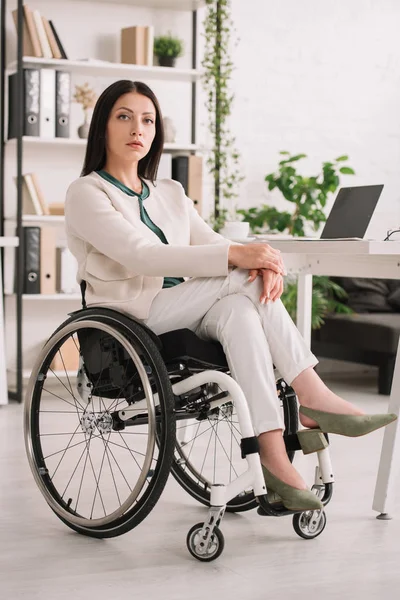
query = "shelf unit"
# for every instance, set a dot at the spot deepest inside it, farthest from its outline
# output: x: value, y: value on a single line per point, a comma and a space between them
x: 76, y: 142
x: 90, y: 67
x: 103, y: 68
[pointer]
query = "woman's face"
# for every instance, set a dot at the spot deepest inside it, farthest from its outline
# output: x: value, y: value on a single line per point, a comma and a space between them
x: 131, y: 127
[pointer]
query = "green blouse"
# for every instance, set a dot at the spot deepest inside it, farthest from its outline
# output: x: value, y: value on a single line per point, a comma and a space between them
x: 168, y: 281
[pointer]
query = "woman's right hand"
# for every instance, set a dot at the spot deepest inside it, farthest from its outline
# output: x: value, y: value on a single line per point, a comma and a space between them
x: 256, y: 256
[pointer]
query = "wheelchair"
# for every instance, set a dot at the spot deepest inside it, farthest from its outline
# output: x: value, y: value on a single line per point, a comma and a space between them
x: 103, y: 438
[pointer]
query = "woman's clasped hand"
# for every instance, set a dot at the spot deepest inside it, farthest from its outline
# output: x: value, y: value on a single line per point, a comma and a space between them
x: 262, y: 261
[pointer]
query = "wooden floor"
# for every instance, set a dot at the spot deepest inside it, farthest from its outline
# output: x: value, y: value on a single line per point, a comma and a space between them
x: 356, y: 556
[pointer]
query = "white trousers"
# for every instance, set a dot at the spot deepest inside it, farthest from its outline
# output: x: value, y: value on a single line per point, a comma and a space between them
x: 254, y: 336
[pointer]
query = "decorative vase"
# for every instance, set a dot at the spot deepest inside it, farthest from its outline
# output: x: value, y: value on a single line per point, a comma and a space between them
x: 169, y: 130
x: 83, y: 130
x: 166, y: 61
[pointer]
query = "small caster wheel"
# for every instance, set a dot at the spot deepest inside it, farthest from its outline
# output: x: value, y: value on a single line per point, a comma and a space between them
x: 196, y: 544
x: 309, y: 524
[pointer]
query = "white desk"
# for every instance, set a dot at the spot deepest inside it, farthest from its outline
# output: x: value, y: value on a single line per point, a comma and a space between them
x: 4, y: 241
x: 350, y: 259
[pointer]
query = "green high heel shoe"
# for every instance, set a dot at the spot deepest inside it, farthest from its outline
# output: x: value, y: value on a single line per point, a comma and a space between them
x: 292, y: 498
x: 348, y: 425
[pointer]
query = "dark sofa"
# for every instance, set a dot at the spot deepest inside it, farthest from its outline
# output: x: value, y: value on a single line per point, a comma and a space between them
x: 370, y: 335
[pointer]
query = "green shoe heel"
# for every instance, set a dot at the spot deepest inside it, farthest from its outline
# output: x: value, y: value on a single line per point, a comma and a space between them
x: 292, y: 498
x: 348, y: 425
x: 312, y: 440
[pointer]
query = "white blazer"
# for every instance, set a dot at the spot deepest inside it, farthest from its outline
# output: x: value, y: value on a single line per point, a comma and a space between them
x: 123, y: 262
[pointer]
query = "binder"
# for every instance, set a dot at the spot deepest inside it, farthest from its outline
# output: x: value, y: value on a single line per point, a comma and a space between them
x: 47, y: 260
x: 31, y: 265
x: 63, y: 103
x: 47, y: 103
x: 188, y: 170
x: 67, y: 269
x: 31, y: 99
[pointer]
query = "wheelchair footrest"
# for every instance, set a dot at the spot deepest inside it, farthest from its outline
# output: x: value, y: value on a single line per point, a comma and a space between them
x: 312, y: 440
x: 307, y: 440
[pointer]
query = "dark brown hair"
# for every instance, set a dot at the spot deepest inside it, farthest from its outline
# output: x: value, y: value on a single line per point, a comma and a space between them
x: 96, y: 155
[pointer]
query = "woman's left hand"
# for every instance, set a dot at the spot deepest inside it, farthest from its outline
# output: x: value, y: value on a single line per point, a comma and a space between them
x: 272, y: 284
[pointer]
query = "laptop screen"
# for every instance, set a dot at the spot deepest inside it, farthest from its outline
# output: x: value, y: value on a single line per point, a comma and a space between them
x: 352, y: 212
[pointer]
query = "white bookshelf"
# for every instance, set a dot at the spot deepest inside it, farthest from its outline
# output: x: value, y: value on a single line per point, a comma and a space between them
x: 39, y: 310
x: 102, y: 68
x: 76, y: 142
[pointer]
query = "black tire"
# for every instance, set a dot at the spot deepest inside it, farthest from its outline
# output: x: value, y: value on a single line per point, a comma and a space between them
x: 143, y: 346
x: 301, y: 523
x: 199, y: 488
x: 216, y: 544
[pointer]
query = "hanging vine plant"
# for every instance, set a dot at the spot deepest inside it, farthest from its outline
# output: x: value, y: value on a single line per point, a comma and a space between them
x: 223, y: 161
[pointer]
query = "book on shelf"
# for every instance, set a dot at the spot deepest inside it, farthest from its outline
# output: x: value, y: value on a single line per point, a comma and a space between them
x: 39, y: 193
x: 56, y: 209
x: 27, y: 44
x: 40, y: 38
x: 33, y: 202
x: 47, y: 102
x: 58, y: 41
x: 44, y: 42
x: 137, y: 44
x: 51, y: 38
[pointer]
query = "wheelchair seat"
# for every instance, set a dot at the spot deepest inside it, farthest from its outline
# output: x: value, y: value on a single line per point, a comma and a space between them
x: 183, y: 345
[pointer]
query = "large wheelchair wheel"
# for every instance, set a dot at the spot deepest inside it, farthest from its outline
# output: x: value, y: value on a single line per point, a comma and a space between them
x: 208, y: 451
x: 101, y: 475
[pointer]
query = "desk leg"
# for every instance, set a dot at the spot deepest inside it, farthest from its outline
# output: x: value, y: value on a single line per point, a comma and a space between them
x: 304, y: 306
x: 389, y: 461
x: 3, y: 361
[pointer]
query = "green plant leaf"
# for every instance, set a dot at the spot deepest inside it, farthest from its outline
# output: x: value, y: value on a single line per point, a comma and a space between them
x: 342, y: 158
x: 347, y: 171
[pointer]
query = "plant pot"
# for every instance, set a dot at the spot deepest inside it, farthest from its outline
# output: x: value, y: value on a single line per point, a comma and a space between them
x: 166, y: 61
x: 83, y: 130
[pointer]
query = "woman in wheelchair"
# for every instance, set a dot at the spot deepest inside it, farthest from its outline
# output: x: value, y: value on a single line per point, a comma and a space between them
x: 143, y: 249
x: 176, y: 353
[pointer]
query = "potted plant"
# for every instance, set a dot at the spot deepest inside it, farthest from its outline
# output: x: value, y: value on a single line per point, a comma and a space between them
x: 223, y: 160
x: 309, y: 196
x: 167, y: 49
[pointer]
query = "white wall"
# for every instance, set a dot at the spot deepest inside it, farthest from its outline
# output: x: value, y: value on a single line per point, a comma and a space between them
x: 316, y: 77
x: 321, y: 78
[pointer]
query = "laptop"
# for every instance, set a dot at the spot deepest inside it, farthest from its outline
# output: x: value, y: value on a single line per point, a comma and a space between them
x: 351, y: 212
x: 350, y: 215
